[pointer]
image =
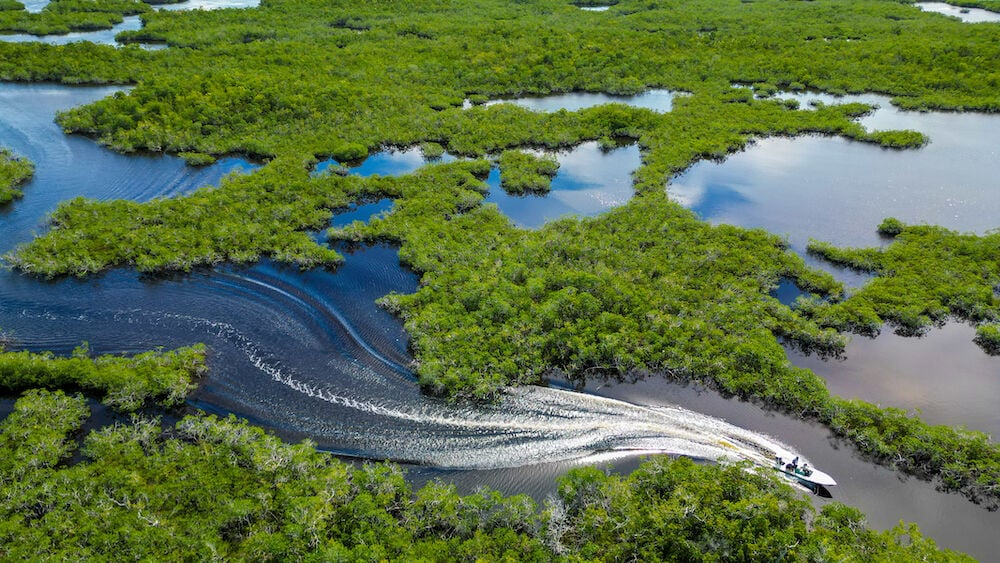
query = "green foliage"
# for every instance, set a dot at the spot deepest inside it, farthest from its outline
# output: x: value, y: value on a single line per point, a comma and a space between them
x: 10, y: 5
x: 220, y: 488
x: 898, y: 139
x: 196, y: 158
x: 926, y: 275
x: 679, y: 511
x: 964, y: 460
x: 128, y: 383
x: 14, y: 171
x: 988, y: 338
x: 431, y: 150
x: 246, y: 217
x: 64, y: 16
x: 891, y: 227
x: 35, y: 437
x: 523, y: 172
x: 325, y: 75
x: 646, y: 287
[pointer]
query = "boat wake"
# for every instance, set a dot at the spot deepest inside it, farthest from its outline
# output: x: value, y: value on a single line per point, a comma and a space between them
x: 297, y: 353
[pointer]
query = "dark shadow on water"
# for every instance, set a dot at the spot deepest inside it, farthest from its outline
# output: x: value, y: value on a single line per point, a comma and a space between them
x: 787, y: 292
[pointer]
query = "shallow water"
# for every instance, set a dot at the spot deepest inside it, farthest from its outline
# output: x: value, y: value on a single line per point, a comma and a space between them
x: 129, y: 23
x: 590, y: 181
x: 656, y: 100
x: 208, y: 5
x: 943, y: 375
x: 838, y: 190
x: 967, y: 15
x: 309, y: 355
x: 101, y: 37
x: 390, y: 162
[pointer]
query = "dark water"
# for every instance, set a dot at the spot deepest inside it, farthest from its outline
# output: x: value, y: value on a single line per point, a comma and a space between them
x: 967, y: 15
x: 309, y: 355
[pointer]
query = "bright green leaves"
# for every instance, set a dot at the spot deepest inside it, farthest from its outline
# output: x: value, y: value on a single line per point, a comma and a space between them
x: 36, y: 435
x: 219, y: 488
x: 679, y: 511
x: 14, y: 171
x: 523, y: 172
x: 250, y: 216
x: 926, y: 275
x: 128, y: 383
x: 988, y: 338
x: 644, y: 287
x: 64, y: 16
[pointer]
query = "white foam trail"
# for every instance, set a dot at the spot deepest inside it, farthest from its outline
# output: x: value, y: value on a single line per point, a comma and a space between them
x: 526, y: 426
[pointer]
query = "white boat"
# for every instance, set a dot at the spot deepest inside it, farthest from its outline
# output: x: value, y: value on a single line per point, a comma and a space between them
x: 801, y: 471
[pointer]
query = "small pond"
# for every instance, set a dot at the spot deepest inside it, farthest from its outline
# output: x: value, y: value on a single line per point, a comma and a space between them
x: 390, y: 162
x: 656, y: 100
x: 590, y: 180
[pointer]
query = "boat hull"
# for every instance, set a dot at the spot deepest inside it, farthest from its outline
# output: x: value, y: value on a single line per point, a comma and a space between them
x: 816, y: 477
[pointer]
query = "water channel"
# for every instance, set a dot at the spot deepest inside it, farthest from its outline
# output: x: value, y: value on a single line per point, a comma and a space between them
x: 307, y: 354
x: 128, y: 23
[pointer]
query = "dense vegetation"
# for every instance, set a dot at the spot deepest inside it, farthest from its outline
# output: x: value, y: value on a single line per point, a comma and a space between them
x: 646, y: 287
x: 925, y: 276
x: 63, y: 16
x: 128, y: 383
x: 14, y: 171
x: 267, y: 213
x: 246, y: 217
x: 523, y: 172
x: 212, y: 488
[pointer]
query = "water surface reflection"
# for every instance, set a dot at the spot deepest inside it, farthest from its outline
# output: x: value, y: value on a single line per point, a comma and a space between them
x: 590, y: 180
x: 656, y: 100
